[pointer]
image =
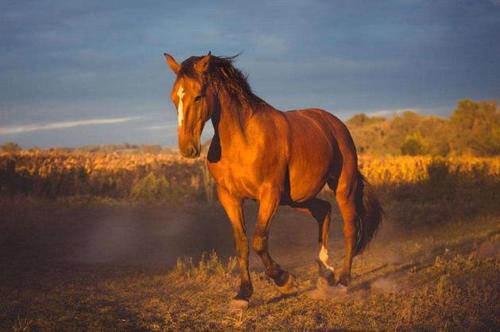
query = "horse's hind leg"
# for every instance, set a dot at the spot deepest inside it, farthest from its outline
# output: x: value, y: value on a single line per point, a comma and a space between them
x: 268, y: 205
x: 346, y: 200
x: 320, y: 210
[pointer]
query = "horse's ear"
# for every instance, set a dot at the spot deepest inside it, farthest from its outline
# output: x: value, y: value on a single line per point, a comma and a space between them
x: 203, y: 64
x: 172, y: 63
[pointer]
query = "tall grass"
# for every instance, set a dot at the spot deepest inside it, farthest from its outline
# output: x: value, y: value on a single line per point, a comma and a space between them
x: 208, y: 266
x: 162, y: 177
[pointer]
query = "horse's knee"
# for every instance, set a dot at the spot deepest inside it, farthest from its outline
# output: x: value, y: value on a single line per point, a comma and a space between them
x: 242, y: 250
x: 259, y: 244
x: 241, y: 244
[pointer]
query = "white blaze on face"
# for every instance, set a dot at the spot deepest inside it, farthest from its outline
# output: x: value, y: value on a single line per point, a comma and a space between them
x: 323, y: 257
x: 180, y: 111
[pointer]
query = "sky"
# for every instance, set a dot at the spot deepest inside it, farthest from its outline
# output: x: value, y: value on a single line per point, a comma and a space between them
x: 75, y: 73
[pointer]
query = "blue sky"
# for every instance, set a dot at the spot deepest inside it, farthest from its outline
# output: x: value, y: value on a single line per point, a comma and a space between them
x: 92, y: 72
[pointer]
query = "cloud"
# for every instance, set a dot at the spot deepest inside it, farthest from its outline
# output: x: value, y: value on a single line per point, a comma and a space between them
x: 170, y: 125
x: 345, y: 115
x: 62, y: 125
x: 169, y: 130
x: 388, y: 113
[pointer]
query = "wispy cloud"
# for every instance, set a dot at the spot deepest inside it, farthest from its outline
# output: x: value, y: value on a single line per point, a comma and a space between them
x: 388, y: 113
x: 170, y: 125
x: 62, y: 125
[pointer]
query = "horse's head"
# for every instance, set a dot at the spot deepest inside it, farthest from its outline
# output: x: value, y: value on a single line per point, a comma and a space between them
x: 194, y: 100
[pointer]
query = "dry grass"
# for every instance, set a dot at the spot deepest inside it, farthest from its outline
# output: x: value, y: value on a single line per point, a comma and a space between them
x: 406, y: 169
x: 166, y: 177
x: 441, y: 283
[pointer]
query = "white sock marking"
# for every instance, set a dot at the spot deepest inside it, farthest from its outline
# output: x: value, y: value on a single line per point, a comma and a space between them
x: 180, y: 112
x: 323, y: 257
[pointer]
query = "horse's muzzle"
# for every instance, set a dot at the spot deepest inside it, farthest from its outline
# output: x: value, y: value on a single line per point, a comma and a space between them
x: 191, y: 151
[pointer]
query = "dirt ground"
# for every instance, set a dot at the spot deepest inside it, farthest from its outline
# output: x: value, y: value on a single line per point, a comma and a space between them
x: 79, y: 265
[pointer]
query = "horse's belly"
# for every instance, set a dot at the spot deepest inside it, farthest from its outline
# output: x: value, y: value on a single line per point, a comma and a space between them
x: 306, y: 185
x: 309, y: 173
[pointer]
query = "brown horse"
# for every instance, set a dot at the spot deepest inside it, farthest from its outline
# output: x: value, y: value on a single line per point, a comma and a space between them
x: 274, y: 157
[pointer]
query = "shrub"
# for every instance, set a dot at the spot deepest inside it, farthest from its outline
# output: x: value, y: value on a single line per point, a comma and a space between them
x: 150, y: 188
x: 414, y: 145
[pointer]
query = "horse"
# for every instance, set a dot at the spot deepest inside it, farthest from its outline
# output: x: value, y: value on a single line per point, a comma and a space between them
x: 273, y: 157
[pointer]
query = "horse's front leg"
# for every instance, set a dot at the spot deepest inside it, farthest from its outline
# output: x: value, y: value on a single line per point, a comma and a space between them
x: 233, y: 208
x: 268, y: 205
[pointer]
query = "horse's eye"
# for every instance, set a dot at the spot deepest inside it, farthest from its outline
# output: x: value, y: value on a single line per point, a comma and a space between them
x: 197, y: 98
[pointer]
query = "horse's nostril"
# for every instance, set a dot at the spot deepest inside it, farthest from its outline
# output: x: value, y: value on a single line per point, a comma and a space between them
x: 190, y: 151
x: 196, y: 151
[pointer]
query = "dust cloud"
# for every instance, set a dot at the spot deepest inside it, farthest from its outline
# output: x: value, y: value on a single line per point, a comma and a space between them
x: 156, y: 236
x: 142, y: 235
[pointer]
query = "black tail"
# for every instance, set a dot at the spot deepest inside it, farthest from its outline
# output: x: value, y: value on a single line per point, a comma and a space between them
x: 369, y: 212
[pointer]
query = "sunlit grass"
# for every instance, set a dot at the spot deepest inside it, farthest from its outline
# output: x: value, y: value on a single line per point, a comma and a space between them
x: 161, y: 177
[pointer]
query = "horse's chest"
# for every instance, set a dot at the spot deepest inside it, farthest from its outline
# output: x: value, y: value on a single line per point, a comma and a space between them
x: 235, y: 178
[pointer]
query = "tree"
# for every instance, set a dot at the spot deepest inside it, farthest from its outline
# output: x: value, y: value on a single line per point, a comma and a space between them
x: 475, y: 126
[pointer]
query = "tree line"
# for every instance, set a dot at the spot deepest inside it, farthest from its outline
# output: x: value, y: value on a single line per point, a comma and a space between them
x: 473, y: 128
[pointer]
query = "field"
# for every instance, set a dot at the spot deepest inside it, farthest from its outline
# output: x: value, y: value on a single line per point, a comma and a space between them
x: 121, y: 241
x: 156, y: 177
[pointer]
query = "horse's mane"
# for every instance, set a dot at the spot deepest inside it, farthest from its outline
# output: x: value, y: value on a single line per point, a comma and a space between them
x: 224, y: 76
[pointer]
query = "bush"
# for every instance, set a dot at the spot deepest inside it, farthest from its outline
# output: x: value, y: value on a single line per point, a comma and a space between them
x: 414, y: 145
x: 150, y: 188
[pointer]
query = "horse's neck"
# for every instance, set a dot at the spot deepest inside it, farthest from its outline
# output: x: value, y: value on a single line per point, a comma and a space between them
x: 232, y: 120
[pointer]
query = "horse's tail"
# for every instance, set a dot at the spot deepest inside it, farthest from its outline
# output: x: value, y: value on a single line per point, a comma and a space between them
x: 369, y: 212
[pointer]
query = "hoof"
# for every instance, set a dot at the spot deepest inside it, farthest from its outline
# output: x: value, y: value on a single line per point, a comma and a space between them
x: 325, y: 283
x: 289, y: 287
x: 238, y: 305
x: 326, y: 274
x: 345, y: 279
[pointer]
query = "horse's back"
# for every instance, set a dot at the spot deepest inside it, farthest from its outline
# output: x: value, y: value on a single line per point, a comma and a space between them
x: 319, y: 144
